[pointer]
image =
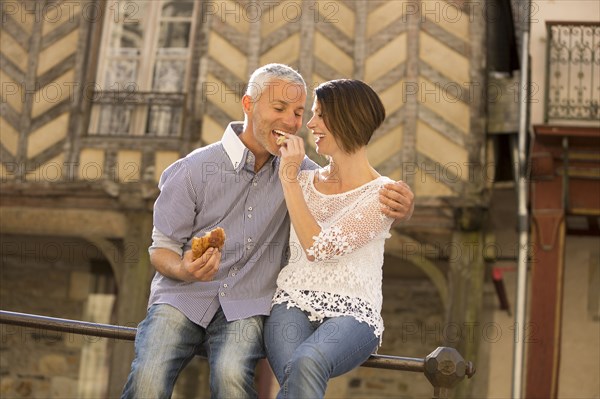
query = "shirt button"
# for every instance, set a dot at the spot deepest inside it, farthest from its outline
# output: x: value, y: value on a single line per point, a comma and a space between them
x: 222, y: 294
x: 254, y: 183
x: 249, y: 216
x: 249, y: 208
x: 233, y: 274
x: 249, y: 239
x: 225, y: 285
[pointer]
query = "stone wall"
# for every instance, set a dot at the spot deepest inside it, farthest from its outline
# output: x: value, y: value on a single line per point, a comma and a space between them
x: 55, y: 277
x: 413, y: 316
x: 50, y: 277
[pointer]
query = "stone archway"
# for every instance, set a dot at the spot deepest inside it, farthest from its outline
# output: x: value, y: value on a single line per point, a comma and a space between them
x: 119, y: 238
x: 408, y: 249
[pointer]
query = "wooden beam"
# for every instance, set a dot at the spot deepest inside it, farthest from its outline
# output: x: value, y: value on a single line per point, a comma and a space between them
x: 544, y: 326
x: 547, y: 264
x: 465, y: 285
x: 133, y: 292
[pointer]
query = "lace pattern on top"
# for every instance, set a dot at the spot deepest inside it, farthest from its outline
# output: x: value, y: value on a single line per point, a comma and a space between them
x: 348, y: 220
x: 329, y: 243
x: 344, y: 279
x: 320, y: 305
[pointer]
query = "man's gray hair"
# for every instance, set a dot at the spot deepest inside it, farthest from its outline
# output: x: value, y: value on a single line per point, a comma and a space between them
x: 260, y: 77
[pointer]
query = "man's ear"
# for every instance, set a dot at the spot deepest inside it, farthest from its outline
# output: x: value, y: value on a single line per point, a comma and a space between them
x: 247, y: 104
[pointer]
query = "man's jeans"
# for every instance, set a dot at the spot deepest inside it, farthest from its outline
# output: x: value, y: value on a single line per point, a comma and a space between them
x: 166, y: 341
x: 304, y: 355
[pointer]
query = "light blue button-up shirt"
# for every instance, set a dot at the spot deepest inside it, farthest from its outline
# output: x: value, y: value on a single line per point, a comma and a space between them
x: 216, y: 186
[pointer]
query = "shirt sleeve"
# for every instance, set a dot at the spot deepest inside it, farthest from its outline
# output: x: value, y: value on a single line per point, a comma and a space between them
x: 308, y: 164
x: 159, y: 240
x: 175, y: 208
x: 358, y: 225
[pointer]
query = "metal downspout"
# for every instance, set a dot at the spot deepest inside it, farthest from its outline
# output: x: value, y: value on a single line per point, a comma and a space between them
x: 523, y: 219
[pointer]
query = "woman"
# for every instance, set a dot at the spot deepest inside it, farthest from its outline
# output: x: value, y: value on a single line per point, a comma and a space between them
x: 325, y: 319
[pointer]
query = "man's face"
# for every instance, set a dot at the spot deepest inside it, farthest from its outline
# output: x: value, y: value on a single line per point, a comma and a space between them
x: 279, y: 108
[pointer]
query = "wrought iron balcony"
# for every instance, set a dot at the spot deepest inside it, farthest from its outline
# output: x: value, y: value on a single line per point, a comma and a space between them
x: 131, y: 112
x: 572, y: 71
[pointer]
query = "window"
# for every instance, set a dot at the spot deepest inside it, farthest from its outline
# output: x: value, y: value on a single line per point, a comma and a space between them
x: 143, y: 69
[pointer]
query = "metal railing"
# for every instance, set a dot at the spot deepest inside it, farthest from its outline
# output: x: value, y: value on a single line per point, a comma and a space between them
x: 572, y: 71
x: 129, y: 112
x: 444, y: 367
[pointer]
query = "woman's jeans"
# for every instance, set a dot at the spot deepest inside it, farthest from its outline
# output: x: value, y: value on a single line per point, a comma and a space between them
x: 304, y: 355
x: 166, y: 341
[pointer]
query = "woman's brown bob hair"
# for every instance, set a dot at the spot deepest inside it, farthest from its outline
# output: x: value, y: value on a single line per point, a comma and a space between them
x: 351, y: 110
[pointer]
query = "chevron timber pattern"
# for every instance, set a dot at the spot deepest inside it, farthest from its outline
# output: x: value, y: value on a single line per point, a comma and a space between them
x: 420, y: 56
x: 39, y: 45
x: 417, y: 56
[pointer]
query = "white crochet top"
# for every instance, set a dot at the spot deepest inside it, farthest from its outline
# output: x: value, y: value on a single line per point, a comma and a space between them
x: 345, y: 277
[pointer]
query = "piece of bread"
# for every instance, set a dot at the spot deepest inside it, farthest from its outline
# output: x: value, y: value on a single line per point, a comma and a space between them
x: 280, y: 140
x: 214, y: 238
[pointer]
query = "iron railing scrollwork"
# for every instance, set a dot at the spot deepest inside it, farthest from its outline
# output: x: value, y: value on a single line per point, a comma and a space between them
x: 572, y: 71
x: 135, y: 113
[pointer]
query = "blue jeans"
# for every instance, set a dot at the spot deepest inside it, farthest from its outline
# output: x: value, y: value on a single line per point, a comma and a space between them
x: 304, y: 355
x: 166, y: 341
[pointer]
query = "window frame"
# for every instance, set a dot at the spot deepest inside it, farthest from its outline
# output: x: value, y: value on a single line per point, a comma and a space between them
x: 140, y: 93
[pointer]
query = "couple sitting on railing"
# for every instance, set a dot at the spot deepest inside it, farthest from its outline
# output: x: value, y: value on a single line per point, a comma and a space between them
x: 325, y: 304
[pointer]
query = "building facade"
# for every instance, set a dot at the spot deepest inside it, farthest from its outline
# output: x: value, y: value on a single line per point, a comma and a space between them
x: 99, y: 96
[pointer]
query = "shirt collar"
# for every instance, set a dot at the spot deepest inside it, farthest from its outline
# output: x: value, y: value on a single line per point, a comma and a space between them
x: 232, y: 144
x: 238, y: 153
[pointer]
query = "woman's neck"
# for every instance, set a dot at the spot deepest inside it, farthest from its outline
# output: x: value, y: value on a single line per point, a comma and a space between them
x: 346, y: 172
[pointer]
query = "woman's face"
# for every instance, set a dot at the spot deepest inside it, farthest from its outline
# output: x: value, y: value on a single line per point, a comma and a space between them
x: 326, y: 143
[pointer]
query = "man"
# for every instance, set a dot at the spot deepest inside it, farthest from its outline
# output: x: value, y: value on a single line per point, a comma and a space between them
x: 217, y: 302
